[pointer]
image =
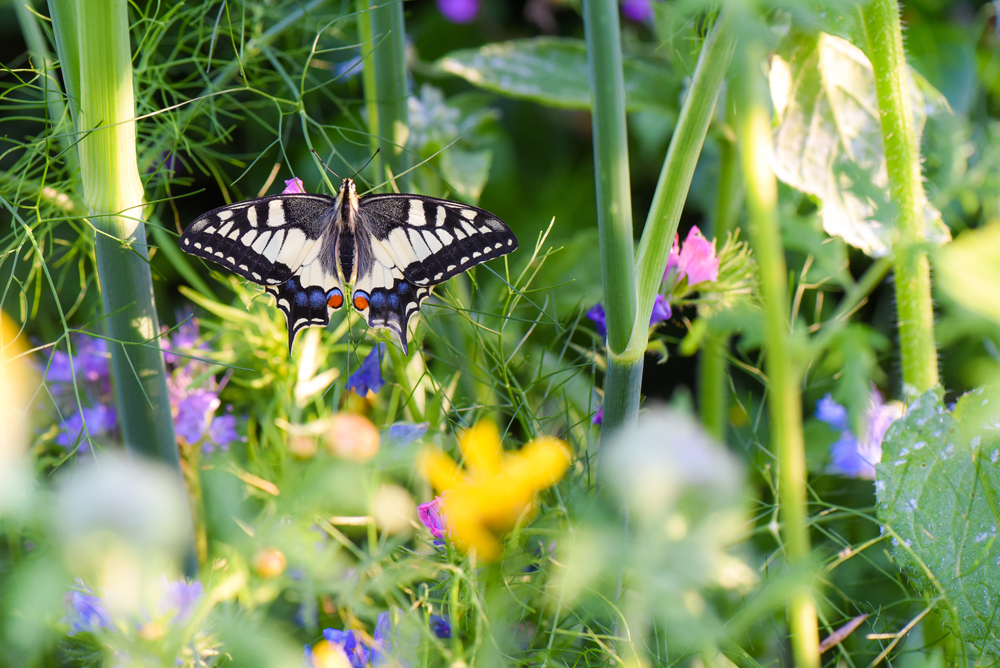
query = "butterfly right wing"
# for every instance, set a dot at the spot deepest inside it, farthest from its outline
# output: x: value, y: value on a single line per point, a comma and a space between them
x: 285, y: 243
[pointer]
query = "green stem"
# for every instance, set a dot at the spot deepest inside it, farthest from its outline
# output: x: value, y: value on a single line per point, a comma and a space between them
x: 675, y: 177
x: 388, y: 62
x: 713, y: 388
x: 113, y: 195
x: 902, y: 154
x: 614, y: 209
x: 784, y: 401
x: 368, y: 77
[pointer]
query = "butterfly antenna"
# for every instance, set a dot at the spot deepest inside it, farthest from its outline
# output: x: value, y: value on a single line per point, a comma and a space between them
x: 323, y: 163
x: 367, y: 163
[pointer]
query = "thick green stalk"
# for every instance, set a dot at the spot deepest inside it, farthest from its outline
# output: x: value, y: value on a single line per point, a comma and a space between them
x: 784, y: 399
x: 614, y: 209
x: 675, y: 177
x: 368, y: 77
x: 388, y: 62
x: 114, y: 197
x: 902, y: 153
x: 713, y: 389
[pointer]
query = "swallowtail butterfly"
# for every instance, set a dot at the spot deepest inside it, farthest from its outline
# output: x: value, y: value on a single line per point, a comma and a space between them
x: 305, y: 249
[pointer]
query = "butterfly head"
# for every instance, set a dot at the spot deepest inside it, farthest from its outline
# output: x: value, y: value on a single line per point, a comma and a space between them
x: 349, y: 201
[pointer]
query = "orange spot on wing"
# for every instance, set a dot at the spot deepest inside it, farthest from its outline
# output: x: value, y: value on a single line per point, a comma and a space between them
x: 360, y: 303
x: 336, y: 301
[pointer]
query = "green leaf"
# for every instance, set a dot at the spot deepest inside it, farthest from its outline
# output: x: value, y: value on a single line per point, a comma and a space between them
x: 937, y: 496
x: 828, y: 142
x: 968, y: 269
x: 467, y: 171
x: 553, y: 72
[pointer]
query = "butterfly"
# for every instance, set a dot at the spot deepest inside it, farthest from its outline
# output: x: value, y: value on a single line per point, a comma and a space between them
x: 306, y: 248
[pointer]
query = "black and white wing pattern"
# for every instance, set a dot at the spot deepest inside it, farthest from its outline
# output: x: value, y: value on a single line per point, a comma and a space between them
x: 417, y: 242
x: 283, y: 242
x: 392, y: 249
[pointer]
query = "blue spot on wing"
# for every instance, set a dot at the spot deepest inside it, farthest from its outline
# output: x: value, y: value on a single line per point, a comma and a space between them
x: 301, y: 298
x: 316, y: 298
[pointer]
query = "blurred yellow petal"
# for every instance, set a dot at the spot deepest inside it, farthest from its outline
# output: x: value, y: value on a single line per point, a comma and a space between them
x: 481, y: 448
x: 327, y: 655
x: 498, y: 490
x: 439, y: 469
x: 540, y: 463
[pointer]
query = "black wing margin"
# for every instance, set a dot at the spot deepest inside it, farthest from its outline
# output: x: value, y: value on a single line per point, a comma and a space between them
x: 263, y: 240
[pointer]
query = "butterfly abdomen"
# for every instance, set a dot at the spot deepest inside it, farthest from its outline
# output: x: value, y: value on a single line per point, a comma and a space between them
x: 346, y: 249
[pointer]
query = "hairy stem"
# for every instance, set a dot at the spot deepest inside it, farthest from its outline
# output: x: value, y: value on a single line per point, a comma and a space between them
x: 902, y: 153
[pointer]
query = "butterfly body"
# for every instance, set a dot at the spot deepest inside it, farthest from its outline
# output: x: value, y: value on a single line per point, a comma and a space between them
x: 306, y: 248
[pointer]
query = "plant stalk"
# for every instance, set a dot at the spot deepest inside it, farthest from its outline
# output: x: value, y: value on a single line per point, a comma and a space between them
x: 113, y: 194
x: 675, y: 177
x: 391, y: 88
x: 902, y: 153
x: 614, y: 209
x: 784, y: 400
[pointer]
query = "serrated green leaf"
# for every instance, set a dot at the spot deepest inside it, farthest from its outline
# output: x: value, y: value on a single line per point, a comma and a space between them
x: 553, y: 72
x: 937, y: 495
x: 828, y: 142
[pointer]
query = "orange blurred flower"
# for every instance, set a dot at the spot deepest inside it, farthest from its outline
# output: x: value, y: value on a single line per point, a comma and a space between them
x: 497, y: 488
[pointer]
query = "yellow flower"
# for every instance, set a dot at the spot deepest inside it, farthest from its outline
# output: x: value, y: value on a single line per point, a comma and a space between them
x: 496, y: 490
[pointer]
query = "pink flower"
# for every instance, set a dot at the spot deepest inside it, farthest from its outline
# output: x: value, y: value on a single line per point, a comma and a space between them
x: 430, y: 515
x: 696, y: 260
x: 293, y: 186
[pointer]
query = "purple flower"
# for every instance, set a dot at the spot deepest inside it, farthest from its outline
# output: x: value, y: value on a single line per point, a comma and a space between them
x: 186, y: 337
x: 637, y: 10
x: 194, y: 414
x: 86, y: 612
x: 598, y: 416
x: 404, y: 433
x: 440, y: 626
x: 368, y: 378
x: 350, y: 642
x: 600, y: 319
x: 696, y: 259
x: 221, y: 433
x: 832, y: 413
x: 661, y: 311
x: 178, y: 600
x: 459, y: 11
x: 293, y: 186
x: 852, y: 456
x: 431, y: 517
x: 88, y: 423
x: 90, y: 361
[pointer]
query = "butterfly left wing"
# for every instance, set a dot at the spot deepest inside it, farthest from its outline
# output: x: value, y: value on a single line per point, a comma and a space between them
x: 283, y: 242
x: 417, y: 242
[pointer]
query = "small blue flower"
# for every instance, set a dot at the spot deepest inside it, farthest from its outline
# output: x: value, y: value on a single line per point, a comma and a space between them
x: 221, y: 433
x: 440, y: 626
x: 404, y: 433
x: 832, y: 413
x: 87, y: 424
x: 637, y: 10
x: 850, y: 455
x: 598, y: 416
x: 194, y: 415
x: 350, y: 642
x: 87, y: 612
x: 180, y: 598
x: 600, y: 319
x: 661, y: 311
x: 369, y: 376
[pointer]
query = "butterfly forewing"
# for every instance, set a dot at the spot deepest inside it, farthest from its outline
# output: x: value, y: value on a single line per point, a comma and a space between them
x: 430, y: 240
x: 395, y: 247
